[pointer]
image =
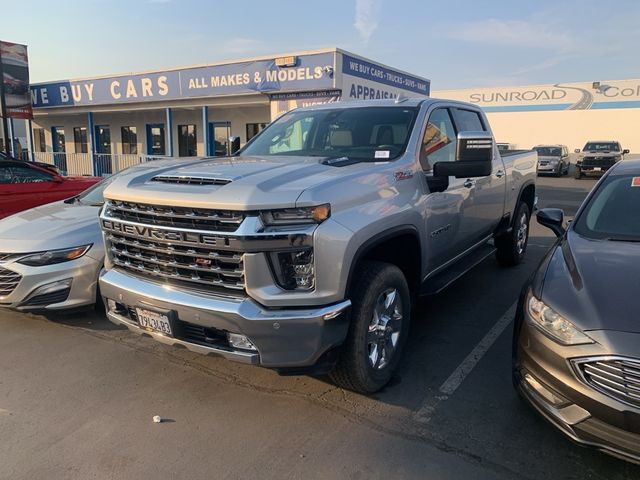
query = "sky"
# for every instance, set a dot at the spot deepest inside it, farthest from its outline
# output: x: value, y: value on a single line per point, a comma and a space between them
x: 454, y: 43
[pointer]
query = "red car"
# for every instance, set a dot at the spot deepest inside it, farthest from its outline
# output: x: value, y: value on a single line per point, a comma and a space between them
x: 24, y: 185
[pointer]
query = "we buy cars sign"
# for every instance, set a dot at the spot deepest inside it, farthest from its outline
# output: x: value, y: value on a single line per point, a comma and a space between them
x: 14, y: 65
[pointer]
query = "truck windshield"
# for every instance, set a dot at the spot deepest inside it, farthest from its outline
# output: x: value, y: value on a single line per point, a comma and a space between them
x: 601, y: 147
x: 613, y: 213
x: 363, y: 133
x: 548, y: 151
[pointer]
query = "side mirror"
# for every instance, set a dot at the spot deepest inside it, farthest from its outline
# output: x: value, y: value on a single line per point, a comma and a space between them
x: 625, y: 151
x: 474, y: 157
x: 57, y: 179
x: 552, y: 218
x: 234, y: 145
x: 577, y: 150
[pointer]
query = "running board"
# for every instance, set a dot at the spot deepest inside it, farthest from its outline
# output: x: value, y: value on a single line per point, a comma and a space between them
x: 442, y: 280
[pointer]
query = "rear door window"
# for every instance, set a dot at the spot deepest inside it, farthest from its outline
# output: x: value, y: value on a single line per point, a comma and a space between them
x: 29, y: 175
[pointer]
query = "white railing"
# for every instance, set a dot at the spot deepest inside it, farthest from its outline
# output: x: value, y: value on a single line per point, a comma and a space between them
x: 82, y: 163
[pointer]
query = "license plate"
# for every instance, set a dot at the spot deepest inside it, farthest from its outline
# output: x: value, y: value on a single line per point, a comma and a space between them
x: 154, y: 321
x: 597, y: 169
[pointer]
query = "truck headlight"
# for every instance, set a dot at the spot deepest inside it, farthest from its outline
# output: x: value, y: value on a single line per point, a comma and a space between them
x: 53, y: 257
x: 296, y: 216
x: 294, y: 270
x: 554, y: 324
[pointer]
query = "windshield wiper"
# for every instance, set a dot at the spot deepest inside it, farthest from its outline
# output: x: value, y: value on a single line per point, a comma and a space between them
x: 619, y: 239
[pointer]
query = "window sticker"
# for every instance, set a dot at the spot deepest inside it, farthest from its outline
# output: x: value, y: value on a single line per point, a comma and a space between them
x: 382, y: 154
x: 635, y: 182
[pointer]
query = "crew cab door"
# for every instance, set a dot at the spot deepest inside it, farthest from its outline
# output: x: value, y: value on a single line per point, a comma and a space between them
x: 485, y: 206
x: 448, y: 228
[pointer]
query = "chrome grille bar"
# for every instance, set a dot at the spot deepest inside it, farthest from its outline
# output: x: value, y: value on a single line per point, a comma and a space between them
x: 617, y: 377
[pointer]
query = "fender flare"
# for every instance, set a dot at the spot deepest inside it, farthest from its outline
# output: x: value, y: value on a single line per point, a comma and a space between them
x: 378, y: 239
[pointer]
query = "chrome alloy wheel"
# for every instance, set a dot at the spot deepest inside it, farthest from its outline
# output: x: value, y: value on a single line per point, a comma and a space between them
x: 384, y: 329
x: 521, y: 233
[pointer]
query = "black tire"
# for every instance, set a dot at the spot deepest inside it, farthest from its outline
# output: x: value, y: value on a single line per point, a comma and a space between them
x: 511, y: 248
x: 354, y: 369
x: 558, y: 172
x: 578, y: 174
x: 566, y: 170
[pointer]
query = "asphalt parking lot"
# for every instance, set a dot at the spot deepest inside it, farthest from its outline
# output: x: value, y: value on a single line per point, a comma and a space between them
x: 77, y: 397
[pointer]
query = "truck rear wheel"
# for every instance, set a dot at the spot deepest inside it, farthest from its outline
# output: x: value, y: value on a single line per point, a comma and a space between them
x: 578, y: 174
x: 510, y: 248
x: 380, y: 317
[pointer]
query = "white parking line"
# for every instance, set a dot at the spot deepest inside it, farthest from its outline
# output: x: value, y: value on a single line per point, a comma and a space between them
x: 451, y: 384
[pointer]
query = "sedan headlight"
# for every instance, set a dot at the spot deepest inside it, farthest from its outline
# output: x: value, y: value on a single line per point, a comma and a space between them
x: 296, y: 216
x: 53, y: 257
x: 554, y: 324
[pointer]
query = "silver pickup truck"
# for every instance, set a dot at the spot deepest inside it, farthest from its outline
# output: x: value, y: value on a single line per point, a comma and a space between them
x: 304, y: 252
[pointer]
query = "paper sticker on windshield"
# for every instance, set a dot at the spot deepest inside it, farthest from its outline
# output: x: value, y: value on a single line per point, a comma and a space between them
x: 382, y: 153
x: 635, y: 182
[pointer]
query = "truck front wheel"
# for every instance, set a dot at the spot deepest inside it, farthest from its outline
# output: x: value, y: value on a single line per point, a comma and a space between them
x: 380, y: 317
x: 510, y: 248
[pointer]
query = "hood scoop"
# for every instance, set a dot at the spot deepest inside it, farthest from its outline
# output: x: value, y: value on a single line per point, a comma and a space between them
x: 190, y: 180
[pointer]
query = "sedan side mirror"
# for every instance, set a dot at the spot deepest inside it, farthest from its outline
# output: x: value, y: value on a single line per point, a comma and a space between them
x: 474, y: 157
x: 57, y: 179
x: 234, y: 143
x: 552, y: 218
x: 625, y: 151
x: 577, y: 150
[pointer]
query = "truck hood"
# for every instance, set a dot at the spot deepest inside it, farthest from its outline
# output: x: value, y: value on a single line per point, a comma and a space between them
x: 601, y: 154
x: 50, y: 227
x: 595, y: 283
x: 235, y: 183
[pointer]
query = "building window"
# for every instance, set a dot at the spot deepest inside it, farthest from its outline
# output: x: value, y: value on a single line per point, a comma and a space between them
x: 59, y: 142
x: 80, y: 139
x: 39, y: 140
x: 253, y: 129
x: 129, y: 140
x: 155, y: 139
x: 187, y: 141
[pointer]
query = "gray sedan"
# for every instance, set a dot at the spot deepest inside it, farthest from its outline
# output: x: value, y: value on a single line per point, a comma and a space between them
x: 51, y: 256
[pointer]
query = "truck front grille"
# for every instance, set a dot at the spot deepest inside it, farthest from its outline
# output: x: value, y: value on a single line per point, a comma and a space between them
x: 598, y: 161
x: 616, y: 377
x: 179, y: 217
x: 199, y: 267
x: 8, y: 282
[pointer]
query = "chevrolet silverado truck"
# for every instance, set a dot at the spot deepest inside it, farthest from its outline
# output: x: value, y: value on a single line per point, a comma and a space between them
x: 305, y: 251
x: 597, y: 157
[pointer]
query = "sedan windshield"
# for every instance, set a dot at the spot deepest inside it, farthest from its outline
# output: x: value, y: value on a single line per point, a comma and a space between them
x: 367, y: 133
x: 601, y: 147
x: 548, y: 151
x: 613, y: 213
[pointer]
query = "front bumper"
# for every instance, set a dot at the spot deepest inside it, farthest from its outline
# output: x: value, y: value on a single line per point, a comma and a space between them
x: 547, y: 168
x: 588, y: 416
x: 284, y: 338
x: 83, y: 273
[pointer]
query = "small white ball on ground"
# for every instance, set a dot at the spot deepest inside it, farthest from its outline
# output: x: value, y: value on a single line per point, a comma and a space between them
x: 157, y: 419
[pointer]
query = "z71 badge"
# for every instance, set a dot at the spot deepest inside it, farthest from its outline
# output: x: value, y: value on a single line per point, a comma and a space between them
x: 403, y: 175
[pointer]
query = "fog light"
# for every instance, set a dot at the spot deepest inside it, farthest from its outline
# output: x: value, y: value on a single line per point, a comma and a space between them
x: 542, y: 391
x: 240, y: 341
x: 52, y: 287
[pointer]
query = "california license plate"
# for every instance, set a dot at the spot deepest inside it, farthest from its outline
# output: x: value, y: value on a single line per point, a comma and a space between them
x: 597, y: 169
x: 154, y: 321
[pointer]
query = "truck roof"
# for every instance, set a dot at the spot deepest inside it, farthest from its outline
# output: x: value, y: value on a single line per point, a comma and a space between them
x: 387, y: 102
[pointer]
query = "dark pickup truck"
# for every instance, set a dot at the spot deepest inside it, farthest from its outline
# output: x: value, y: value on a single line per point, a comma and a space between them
x: 598, y: 157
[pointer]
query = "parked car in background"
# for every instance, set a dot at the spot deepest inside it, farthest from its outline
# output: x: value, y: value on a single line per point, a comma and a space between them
x: 50, y: 256
x: 577, y: 336
x: 598, y: 156
x: 553, y: 159
x: 304, y: 252
x: 24, y: 186
x: 505, y: 147
x: 47, y: 166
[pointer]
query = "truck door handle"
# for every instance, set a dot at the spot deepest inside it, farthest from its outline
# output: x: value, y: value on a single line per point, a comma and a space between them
x: 500, y: 173
x: 469, y: 183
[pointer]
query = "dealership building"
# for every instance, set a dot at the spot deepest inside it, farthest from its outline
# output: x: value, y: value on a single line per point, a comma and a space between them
x: 561, y: 113
x: 101, y: 125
